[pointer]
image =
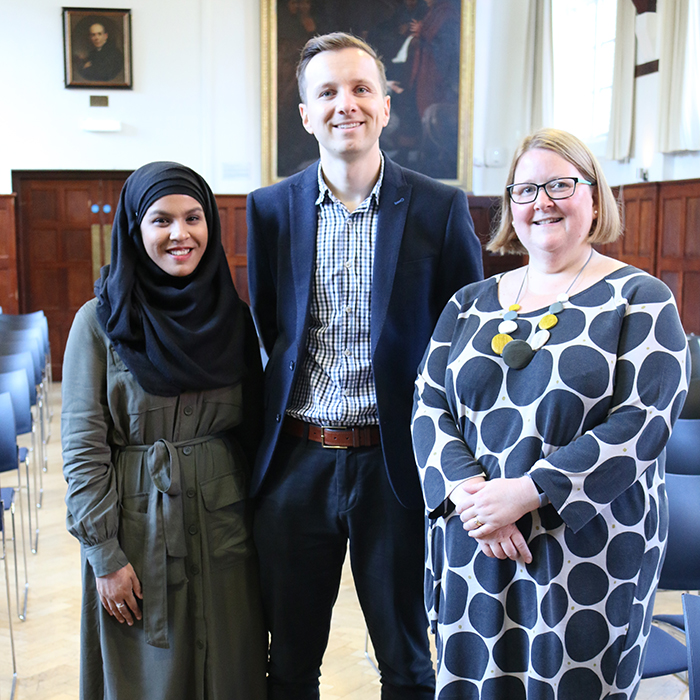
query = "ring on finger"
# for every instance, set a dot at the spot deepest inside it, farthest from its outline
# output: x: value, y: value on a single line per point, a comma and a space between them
x: 478, y: 522
x: 121, y: 605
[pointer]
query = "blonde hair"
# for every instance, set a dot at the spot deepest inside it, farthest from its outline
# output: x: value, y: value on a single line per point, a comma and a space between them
x: 606, y: 227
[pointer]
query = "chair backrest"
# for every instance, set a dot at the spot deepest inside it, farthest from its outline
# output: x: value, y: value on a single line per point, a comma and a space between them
x: 16, y: 384
x: 681, y: 568
x: 691, y: 408
x: 691, y: 614
x: 10, y: 347
x: 683, y: 447
x: 21, y: 360
x: 8, y: 434
x: 37, y: 319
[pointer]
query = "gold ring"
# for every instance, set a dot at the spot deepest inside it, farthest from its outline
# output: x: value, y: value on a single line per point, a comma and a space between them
x: 120, y: 605
x: 478, y: 522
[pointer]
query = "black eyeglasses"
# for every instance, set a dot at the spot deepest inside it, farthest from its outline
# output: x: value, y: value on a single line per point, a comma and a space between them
x: 561, y: 188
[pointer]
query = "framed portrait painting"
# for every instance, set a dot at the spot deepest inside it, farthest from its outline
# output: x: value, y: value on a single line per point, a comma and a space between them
x: 97, y: 47
x: 427, y: 47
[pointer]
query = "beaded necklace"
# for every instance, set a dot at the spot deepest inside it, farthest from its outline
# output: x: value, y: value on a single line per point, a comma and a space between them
x: 519, y: 353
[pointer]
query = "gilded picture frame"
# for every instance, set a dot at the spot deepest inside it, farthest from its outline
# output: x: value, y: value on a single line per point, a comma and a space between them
x: 97, y: 48
x: 426, y: 133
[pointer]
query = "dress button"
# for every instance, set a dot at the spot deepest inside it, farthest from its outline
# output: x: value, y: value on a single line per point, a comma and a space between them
x: 192, y: 529
x: 194, y: 570
x: 187, y: 450
x: 191, y: 493
x: 291, y: 365
x: 188, y: 410
x: 200, y: 644
x: 278, y: 417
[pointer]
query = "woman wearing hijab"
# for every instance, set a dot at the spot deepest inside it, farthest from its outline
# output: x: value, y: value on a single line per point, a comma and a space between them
x: 160, y: 376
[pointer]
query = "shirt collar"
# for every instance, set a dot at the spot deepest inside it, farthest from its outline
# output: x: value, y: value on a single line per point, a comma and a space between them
x: 325, y: 194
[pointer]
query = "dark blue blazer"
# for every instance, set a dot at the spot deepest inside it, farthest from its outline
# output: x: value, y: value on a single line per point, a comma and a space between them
x: 425, y: 251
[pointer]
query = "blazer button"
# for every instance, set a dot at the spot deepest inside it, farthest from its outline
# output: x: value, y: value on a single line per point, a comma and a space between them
x: 278, y: 417
x: 188, y: 410
x: 187, y: 450
x: 291, y: 365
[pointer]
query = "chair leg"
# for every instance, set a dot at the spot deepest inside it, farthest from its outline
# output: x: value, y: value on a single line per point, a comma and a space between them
x: 21, y: 610
x: 9, y: 607
x: 41, y: 399
x: 38, y: 461
x: 33, y: 533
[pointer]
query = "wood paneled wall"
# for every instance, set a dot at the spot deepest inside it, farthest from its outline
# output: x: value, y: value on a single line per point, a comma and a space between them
x: 661, y: 225
x: 234, y: 236
x: 662, y: 236
x: 9, y: 294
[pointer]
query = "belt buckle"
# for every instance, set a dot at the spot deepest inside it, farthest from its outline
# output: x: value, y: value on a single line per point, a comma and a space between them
x: 323, y: 438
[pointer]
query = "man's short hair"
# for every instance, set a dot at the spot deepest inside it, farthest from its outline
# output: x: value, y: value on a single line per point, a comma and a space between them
x: 337, y: 41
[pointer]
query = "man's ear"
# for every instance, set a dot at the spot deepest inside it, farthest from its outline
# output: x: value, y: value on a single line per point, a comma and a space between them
x: 305, y: 117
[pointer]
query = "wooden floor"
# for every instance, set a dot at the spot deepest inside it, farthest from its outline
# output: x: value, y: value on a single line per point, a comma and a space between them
x: 48, y: 642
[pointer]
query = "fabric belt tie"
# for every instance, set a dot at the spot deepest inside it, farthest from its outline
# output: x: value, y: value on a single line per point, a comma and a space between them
x: 338, y: 438
x: 165, y: 532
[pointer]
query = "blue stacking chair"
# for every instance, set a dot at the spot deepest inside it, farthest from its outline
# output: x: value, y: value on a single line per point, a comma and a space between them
x: 680, y: 572
x: 16, y: 384
x: 9, y: 461
x: 12, y: 342
x: 36, y: 319
x: 34, y: 337
x: 23, y: 360
x: 691, y: 614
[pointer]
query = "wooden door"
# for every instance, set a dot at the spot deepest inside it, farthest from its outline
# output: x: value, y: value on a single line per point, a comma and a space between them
x: 63, y: 240
x: 234, y: 236
x: 9, y: 301
x: 639, y: 209
x: 678, y: 251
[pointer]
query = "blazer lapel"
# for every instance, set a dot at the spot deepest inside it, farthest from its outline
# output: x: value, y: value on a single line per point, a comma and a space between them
x: 303, y: 222
x: 394, y: 199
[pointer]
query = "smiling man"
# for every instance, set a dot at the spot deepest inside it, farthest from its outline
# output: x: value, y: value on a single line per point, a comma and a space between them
x: 350, y: 263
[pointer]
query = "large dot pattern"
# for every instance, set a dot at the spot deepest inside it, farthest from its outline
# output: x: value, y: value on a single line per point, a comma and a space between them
x: 587, y: 419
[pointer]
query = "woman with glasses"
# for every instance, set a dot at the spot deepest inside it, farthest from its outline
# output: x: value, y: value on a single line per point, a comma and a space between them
x: 542, y: 405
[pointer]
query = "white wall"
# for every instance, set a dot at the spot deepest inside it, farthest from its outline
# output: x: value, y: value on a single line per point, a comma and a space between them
x: 196, y: 96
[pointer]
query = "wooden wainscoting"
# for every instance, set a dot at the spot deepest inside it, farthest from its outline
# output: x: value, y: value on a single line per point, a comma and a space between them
x: 9, y: 294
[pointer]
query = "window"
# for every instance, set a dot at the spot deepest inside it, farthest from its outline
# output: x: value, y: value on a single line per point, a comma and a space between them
x: 583, y: 48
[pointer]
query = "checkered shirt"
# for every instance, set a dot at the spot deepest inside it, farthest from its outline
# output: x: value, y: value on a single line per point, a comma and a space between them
x: 335, y: 386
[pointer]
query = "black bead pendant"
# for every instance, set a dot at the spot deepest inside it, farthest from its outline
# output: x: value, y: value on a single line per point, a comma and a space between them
x: 517, y: 354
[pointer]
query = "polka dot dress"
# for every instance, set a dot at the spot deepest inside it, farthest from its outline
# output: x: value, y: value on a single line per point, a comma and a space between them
x: 586, y: 419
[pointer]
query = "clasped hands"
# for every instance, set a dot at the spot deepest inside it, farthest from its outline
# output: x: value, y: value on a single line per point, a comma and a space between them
x: 489, y: 511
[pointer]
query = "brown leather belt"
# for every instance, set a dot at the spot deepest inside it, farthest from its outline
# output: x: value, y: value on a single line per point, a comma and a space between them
x: 338, y: 438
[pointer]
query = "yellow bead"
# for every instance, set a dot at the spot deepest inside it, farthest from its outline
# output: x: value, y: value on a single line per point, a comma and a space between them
x: 514, y: 307
x: 548, y: 321
x: 499, y: 341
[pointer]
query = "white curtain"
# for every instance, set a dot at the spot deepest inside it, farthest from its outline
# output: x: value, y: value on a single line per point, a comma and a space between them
x: 538, y: 66
x: 619, y: 143
x: 679, y: 76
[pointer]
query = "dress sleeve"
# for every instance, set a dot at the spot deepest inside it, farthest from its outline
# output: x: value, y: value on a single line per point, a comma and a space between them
x: 443, y: 458
x: 649, y: 387
x: 93, y: 506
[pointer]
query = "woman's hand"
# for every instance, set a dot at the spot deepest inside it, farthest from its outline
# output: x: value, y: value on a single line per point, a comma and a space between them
x: 506, y: 542
x: 497, y: 503
x: 463, y: 498
x: 118, y: 592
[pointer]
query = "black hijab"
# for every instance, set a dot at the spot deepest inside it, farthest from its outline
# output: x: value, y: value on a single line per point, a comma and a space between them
x: 175, y: 334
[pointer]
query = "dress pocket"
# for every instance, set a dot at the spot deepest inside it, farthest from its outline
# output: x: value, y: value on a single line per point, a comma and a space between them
x: 228, y: 520
x: 132, y: 531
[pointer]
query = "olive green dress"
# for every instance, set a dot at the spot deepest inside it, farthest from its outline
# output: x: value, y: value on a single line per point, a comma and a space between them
x: 160, y: 482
